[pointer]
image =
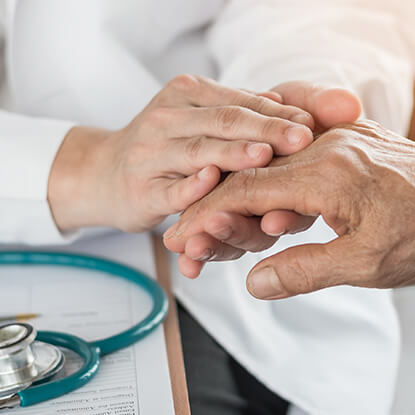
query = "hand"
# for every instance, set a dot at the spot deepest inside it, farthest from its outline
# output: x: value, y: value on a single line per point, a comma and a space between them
x: 228, y: 235
x: 170, y: 155
x: 361, y: 179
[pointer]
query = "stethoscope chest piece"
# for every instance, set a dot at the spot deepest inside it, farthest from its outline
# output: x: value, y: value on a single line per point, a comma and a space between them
x: 24, y: 361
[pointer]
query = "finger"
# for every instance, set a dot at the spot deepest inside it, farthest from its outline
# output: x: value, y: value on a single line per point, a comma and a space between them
x: 204, y: 92
x: 203, y: 247
x: 238, y: 231
x: 174, y: 195
x: 189, y: 155
x: 254, y: 192
x: 280, y: 222
x: 188, y: 267
x: 328, y: 106
x: 177, y: 242
x: 301, y: 269
x: 230, y: 123
x: 272, y: 95
x: 215, y: 94
x: 248, y: 233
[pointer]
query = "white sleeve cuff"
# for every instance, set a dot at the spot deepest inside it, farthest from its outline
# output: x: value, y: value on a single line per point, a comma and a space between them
x: 28, y: 147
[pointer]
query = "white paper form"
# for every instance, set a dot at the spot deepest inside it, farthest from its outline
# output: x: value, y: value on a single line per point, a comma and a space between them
x: 133, y: 381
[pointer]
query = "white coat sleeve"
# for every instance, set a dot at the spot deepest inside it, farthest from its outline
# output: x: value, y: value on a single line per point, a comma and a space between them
x: 364, y: 45
x: 28, y: 147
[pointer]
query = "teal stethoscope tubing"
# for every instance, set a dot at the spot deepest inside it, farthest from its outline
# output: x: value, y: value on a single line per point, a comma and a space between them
x: 90, y: 352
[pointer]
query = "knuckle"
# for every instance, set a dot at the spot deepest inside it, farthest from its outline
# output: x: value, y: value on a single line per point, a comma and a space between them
x: 334, y: 157
x: 258, y: 104
x: 233, y: 150
x: 224, y: 232
x: 338, y: 161
x: 139, y: 153
x: 333, y: 135
x: 303, y: 283
x: 373, y: 267
x: 340, y: 152
x: 299, y: 116
x: 270, y: 127
x: 371, y: 262
x: 227, y: 119
x: 245, y: 180
x: 174, y: 203
x: 288, y: 111
x: 184, y: 83
x: 157, y: 117
x: 193, y: 148
x: 342, y: 136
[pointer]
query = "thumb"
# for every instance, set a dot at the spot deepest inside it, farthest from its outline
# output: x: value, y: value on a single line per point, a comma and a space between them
x: 299, y: 270
x: 328, y: 106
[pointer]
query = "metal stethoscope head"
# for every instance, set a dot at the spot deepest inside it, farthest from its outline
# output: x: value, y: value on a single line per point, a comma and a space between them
x: 24, y: 361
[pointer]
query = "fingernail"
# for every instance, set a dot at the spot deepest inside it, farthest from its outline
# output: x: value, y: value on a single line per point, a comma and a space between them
x: 272, y: 95
x: 254, y: 150
x: 295, y: 135
x: 277, y: 97
x: 203, y: 174
x: 276, y: 233
x: 171, y: 231
x: 207, y: 254
x: 302, y: 119
x: 223, y: 233
x: 264, y: 283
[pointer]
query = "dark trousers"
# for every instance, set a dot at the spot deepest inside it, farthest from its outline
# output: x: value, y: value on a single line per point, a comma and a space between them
x: 217, y: 384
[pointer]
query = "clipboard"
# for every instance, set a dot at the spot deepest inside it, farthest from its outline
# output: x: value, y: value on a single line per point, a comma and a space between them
x: 172, y: 332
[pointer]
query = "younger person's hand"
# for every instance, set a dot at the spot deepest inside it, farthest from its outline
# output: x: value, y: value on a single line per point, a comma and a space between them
x: 170, y: 155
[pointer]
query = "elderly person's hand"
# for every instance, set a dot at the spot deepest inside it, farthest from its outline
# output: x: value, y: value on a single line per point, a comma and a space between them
x: 228, y: 235
x: 170, y: 155
x: 361, y: 179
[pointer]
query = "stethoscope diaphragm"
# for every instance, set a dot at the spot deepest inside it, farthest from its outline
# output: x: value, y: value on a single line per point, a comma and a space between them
x: 24, y: 361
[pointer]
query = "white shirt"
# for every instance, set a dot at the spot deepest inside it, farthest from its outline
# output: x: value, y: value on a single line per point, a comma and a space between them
x: 99, y: 62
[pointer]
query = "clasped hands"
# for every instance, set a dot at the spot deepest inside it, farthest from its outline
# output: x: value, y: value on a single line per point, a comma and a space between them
x: 171, y: 156
x: 358, y: 176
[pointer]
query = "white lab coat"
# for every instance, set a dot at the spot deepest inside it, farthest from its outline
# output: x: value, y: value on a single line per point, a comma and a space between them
x: 99, y: 62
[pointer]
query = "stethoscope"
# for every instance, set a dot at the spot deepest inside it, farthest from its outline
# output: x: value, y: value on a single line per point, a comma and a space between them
x: 29, y: 360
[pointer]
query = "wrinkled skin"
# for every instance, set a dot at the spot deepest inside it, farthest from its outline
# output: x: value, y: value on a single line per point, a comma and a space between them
x: 360, y: 178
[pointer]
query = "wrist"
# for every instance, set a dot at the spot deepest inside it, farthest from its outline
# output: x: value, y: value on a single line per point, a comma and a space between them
x: 76, y: 188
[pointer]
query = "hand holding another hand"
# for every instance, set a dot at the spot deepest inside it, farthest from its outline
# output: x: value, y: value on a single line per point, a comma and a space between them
x: 170, y: 155
x: 228, y: 235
